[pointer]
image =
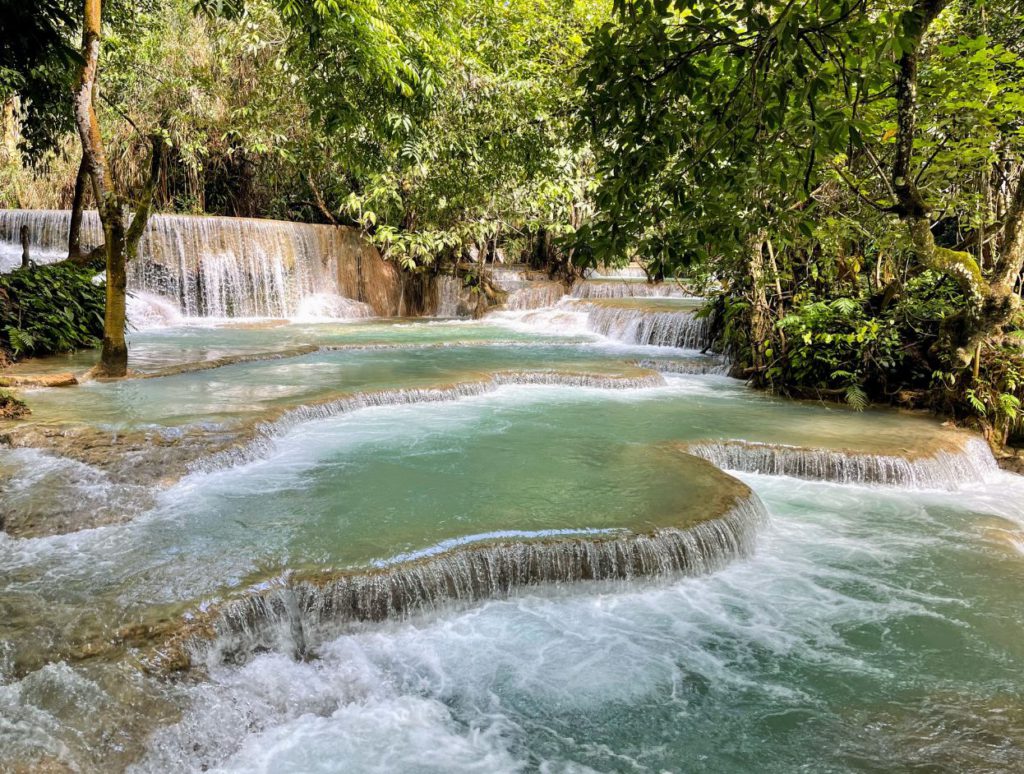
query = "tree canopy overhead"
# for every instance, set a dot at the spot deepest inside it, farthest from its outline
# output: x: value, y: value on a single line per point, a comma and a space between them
x: 843, y: 177
x: 839, y: 165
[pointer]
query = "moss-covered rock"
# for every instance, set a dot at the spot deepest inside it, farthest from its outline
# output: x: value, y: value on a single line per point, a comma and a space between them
x: 11, y: 407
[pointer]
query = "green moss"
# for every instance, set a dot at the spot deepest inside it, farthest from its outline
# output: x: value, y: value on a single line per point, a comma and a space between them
x: 962, y: 267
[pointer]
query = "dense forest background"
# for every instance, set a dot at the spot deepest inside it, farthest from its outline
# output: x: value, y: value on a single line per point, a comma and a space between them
x: 842, y: 179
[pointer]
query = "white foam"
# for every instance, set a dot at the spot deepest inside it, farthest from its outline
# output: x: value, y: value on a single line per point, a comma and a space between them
x: 148, y: 310
x: 524, y: 683
x: 319, y: 307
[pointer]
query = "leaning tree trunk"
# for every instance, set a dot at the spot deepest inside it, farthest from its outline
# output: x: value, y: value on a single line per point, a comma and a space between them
x: 1010, y: 263
x: 119, y: 245
x: 114, y: 357
x: 990, y: 305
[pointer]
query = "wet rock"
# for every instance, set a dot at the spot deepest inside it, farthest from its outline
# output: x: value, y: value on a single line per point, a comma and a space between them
x: 1013, y: 461
x: 12, y: 408
x: 38, y: 380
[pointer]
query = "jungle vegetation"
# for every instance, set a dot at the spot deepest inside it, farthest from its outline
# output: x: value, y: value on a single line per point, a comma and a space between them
x: 842, y: 177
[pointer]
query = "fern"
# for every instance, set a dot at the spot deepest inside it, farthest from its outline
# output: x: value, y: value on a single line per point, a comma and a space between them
x: 856, y: 397
x: 1009, y: 405
x: 21, y: 340
x: 977, y: 403
x: 845, y: 305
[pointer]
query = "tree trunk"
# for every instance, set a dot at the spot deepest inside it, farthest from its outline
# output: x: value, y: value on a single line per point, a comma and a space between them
x: 77, y: 206
x: 25, y: 259
x: 1010, y: 263
x: 114, y: 357
x: 989, y: 305
x: 120, y: 244
x: 760, y: 316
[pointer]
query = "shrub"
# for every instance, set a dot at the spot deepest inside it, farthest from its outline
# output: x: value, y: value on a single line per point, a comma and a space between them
x: 50, y: 309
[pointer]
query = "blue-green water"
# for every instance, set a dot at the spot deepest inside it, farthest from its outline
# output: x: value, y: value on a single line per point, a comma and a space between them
x: 874, y: 628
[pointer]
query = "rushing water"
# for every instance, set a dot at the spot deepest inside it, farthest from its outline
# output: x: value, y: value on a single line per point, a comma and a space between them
x: 224, y: 267
x: 551, y: 540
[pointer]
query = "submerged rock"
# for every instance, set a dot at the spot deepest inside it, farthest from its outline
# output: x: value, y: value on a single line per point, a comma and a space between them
x: 38, y: 380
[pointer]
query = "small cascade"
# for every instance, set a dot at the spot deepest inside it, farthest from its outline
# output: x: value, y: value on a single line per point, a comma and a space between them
x: 454, y: 299
x: 295, y: 614
x: 657, y: 327
x: 625, y: 289
x: 713, y: 365
x: 228, y: 267
x: 449, y: 291
x: 510, y: 278
x: 944, y: 469
x: 624, y: 272
x: 535, y: 295
x: 261, y: 445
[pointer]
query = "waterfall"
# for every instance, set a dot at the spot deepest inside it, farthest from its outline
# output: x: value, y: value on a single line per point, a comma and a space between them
x: 944, y: 469
x: 624, y: 272
x: 449, y: 290
x: 510, y: 278
x: 625, y: 289
x: 294, y: 614
x: 535, y: 295
x: 230, y: 267
x: 658, y: 327
x: 47, y: 233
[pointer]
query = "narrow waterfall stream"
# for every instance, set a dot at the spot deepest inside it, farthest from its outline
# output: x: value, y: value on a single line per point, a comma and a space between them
x: 557, y: 538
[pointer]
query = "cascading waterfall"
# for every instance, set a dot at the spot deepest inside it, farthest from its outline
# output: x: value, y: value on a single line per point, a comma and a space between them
x: 649, y: 326
x: 713, y: 365
x: 945, y: 469
x: 625, y: 289
x: 449, y: 289
x: 535, y: 295
x: 248, y: 268
x: 624, y: 272
x: 223, y: 267
x: 295, y: 614
x: 262, y: 443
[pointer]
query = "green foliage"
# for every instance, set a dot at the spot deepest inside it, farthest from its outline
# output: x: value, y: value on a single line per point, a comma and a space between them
x: 717, y: 125
x: 50, y: 309
x: 996, y: 396
x: 466, y: 147
x: 835, y: 345
x: 37, y: 64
